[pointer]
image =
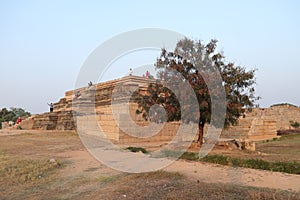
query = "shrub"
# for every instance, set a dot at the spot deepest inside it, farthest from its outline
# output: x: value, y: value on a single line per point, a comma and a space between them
x: 190, y: 156
x: 137, y: 149
x: 218, y: 159
x: 256, y: 164
x: 295, y: 124
x: 288, y: 167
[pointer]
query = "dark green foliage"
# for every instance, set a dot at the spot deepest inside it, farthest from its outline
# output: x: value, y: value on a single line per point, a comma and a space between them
x: 19, y: 112
x: 192, y: 60
x: 288, y: 167
x: 255, y: 164
x: 137, y: 149
x: 12, y: 114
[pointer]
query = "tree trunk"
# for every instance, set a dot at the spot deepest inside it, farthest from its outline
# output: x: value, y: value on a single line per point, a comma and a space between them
x: 200, y: 134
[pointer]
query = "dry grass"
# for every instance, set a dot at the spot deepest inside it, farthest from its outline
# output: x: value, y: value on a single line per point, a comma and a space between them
x: 286, y: 148
x: 166, y: 185
x: 14, y: 170
x: 17, y: 174
x: 26, y: 173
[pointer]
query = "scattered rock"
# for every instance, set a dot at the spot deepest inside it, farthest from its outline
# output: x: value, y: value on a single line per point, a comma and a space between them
x: 231, y: 144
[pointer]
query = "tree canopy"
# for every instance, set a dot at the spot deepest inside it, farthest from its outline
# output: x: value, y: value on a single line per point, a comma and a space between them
x: 12, y: 114
x: 195, y: 62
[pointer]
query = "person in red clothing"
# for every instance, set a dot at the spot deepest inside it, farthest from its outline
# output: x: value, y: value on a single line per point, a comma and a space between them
x: 19, y: 120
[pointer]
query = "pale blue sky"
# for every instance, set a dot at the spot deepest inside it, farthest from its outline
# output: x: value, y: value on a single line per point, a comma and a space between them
x: 43, y: 44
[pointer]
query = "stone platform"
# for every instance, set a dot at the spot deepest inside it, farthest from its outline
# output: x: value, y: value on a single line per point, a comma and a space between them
x: 102, y: 107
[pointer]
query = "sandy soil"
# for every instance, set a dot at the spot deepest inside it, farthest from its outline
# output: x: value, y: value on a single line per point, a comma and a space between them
x: 82, y: 161
x: 213, y: 173
x: 206, y: 172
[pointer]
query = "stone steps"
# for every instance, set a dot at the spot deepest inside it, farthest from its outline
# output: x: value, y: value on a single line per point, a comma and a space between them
x: 97, y: 101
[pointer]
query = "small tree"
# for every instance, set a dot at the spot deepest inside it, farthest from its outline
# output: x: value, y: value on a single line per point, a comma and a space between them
x: 191, y: 58
x: 19, y: 112
x: 12, y: 114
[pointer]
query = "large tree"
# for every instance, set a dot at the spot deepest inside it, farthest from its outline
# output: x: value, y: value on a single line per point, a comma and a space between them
x: 195, y: 62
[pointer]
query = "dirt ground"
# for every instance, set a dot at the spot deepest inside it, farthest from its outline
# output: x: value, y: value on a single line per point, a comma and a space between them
x: 83, y: 177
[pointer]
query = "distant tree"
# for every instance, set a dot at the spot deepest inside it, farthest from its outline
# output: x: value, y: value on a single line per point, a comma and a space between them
x: 6, y: 115
x: 188, y: 58
x: 19, y: 112
x: 12, y: 114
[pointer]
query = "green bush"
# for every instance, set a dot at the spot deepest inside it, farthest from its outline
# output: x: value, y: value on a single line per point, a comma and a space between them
x: 137, y: 149
x: 295, y: 124
x: 12, y: 114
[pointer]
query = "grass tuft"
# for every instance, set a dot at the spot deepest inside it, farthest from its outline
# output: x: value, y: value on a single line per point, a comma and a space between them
x: 107, y: 179
x: 170, y: 153
x: 287, y: 167
x: 137, y: 149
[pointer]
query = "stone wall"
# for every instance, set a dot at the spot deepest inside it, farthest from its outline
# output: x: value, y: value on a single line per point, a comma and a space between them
x: 283, y: 114
x: 253, y: 125
x: 93, y: 111
x: 262, y: 123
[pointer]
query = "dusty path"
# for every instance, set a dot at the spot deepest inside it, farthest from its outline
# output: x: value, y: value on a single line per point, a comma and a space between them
x: 213, y: 173
x: 206, y: 172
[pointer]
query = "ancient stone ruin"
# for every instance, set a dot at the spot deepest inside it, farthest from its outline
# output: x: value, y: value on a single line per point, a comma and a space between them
x: 93, y: 109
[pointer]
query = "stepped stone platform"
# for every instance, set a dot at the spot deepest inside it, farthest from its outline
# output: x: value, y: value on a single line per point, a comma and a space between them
x: 107, y: 108
x: 263, y: 123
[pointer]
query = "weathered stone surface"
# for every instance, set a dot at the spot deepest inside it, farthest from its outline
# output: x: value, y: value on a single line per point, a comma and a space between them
x: 92, y: 111
x: 263, y: 123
